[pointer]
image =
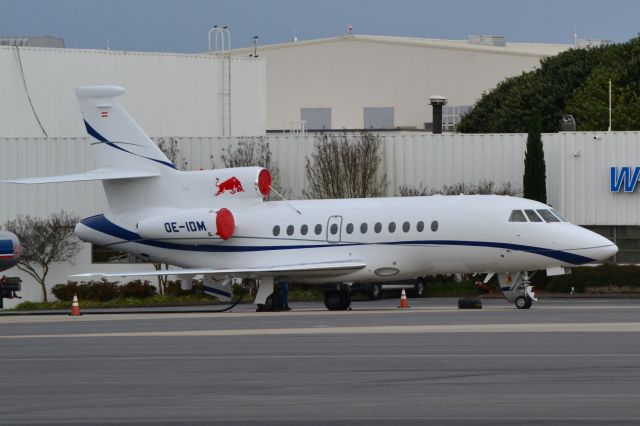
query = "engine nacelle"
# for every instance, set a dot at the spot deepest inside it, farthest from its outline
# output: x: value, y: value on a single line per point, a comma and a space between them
x: 200, y: 224
x: 241, y: 182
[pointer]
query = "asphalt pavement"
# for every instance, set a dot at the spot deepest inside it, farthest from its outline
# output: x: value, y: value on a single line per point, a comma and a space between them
x: 561, y: 362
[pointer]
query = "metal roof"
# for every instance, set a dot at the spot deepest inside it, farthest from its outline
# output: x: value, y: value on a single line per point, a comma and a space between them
x: 526, y: 49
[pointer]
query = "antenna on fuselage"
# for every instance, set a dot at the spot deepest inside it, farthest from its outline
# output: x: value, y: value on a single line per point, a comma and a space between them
x: 285, y: 200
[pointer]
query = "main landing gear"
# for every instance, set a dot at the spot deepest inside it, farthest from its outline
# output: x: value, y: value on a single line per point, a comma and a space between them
x: 338, y: 299
x: 517, y: 289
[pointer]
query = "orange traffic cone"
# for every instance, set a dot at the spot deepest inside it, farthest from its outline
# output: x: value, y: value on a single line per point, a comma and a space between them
x: 404, y: 303
x: 75, y: 307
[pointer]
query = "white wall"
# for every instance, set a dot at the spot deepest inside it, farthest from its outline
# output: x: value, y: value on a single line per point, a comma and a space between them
x: 350, y: 73
x: 168, y: 94
x: 577, y: 173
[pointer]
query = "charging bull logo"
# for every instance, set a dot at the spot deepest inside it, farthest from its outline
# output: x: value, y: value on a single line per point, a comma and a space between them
x: 232, y: 185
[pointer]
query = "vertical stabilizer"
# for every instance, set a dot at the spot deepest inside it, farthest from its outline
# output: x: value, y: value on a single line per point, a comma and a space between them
x: 117, y: 140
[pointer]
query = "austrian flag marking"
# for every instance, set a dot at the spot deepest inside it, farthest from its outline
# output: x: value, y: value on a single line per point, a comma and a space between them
x: 104, y: 114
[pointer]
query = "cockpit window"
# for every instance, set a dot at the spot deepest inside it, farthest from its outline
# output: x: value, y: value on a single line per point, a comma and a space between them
x: 555, y: 212
x: 517, y: 216
x: 548, y: 216
x: 533, y: 216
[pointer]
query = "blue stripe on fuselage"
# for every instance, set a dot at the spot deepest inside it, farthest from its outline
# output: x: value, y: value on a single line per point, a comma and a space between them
x: 101, y: 224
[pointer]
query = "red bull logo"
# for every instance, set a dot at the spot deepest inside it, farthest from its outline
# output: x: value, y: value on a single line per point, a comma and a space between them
x: 232, y: 185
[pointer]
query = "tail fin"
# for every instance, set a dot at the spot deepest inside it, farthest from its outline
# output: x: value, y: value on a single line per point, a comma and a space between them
x: 118, y: 141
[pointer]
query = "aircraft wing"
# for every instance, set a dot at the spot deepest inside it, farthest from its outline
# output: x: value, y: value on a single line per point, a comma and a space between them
x: 317, y: 267
x: 97, y: 174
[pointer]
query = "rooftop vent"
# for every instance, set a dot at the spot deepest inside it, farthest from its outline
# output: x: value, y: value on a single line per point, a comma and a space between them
x: 38, y: 41
x: 487, y: 40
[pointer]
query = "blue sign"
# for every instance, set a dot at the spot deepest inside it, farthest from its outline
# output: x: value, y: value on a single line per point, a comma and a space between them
x: 624, y: 178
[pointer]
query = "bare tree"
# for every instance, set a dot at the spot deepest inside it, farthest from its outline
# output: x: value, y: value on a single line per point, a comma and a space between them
x: 44, y: 242
x: 170, y: 148
x: 345, y: 166
x: 484, y: 187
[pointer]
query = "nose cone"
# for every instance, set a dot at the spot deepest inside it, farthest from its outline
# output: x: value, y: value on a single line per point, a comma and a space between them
x: 596, y: 247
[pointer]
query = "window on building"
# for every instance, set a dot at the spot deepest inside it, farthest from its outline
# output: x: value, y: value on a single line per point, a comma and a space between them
x: 101, y: 254
x: 316, y: 118
x: 378, y: 118
x: 451, y: 116
x: 627, y: 238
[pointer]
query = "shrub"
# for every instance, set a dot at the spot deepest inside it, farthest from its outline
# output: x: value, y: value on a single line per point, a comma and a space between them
x: 137, y: 289
x: 599, y: 276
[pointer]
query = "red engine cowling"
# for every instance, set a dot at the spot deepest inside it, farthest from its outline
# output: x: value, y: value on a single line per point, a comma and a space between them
x: 241, y: 183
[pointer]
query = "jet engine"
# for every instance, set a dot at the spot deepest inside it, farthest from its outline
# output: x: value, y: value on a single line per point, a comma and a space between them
x: 200, y: 224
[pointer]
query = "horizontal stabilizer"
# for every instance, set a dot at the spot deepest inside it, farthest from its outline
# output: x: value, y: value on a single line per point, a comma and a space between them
x: 335, y: 267
x: 97, y: 174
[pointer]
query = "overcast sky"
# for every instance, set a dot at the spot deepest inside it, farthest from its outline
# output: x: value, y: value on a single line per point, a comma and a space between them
x: 182, y: 25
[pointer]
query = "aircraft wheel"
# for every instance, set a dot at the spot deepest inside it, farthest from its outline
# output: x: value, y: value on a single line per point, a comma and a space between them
x: 273, y: 303
x: 346, y: 300
x: 333, y: 300
x: 375, y: 292
x: 523, y: 302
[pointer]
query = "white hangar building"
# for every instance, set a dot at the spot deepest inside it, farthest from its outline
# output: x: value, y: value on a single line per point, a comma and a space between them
x: 169, y: 94
x: 382, y: 82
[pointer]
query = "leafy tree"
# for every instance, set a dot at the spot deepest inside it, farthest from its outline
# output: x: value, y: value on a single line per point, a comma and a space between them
x: 535, y: 173
x: 345, y: 166
x: 44, y: 242
x: 573, y: 82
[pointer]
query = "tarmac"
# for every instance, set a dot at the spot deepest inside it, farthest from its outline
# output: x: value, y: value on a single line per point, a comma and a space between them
x: 564, y: 361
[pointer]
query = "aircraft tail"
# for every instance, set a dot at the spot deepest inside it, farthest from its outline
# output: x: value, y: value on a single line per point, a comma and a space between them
x: 118, y: 142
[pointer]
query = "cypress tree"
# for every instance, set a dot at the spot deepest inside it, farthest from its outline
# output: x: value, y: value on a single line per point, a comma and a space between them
x: 535, y: 171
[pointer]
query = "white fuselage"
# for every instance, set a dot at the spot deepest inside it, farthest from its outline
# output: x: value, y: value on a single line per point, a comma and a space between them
x: 432, y: 235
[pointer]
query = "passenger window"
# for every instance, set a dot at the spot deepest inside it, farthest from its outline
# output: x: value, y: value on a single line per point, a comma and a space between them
x: 304, y: 229
x: 290, y: 230
x: 533, y: 216
x: 434, y: 225
x: 318, y: 229
x: 420, y: 226
x: 363, y: 228
x: 276, y: 231
x: 555, y: 212
x: 377, y: 227
x: 350, y: 228
x: 392, y: 227
x: 517, y: 216
x: 406, y: 226
x: 548, y: 216
x: 334, y: 228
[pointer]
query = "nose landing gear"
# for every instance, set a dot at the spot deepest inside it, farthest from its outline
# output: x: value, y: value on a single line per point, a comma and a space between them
x: 517, y: 289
